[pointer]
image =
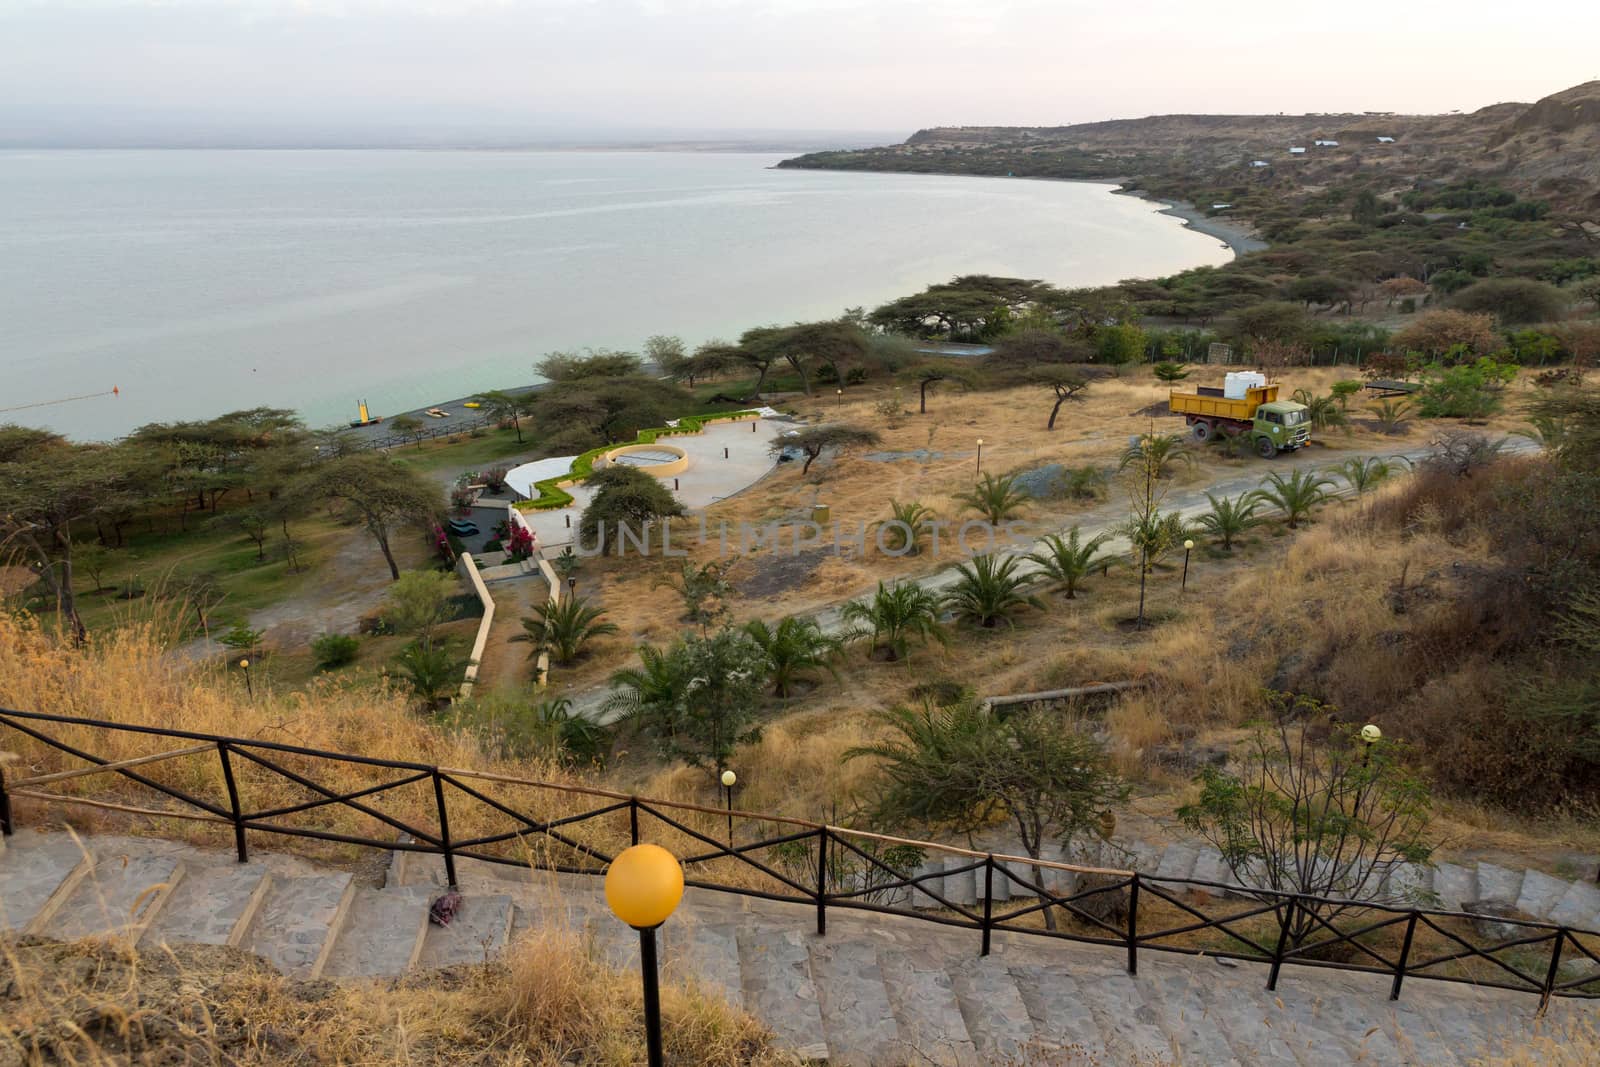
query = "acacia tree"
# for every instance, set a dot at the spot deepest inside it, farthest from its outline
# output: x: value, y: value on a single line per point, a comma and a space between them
x: 382, y: 494
x: 47, y: 485
x: 961, y: 768
x: 1067, y: 383
x: 929, y: 374
x: 1313, y: 811
x: 626, y: 498
x: 503, y: 407
x: 814, y: 440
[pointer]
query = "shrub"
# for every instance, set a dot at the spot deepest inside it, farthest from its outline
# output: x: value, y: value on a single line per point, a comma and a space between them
x: 1466, y: 391
x: 334, y: 650
x: 1512, y: 300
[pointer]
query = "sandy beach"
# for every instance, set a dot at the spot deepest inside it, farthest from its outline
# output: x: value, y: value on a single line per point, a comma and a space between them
x: 1236, y: 234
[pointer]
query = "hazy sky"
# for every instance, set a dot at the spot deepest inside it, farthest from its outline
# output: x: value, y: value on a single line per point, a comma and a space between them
x: 460, y: 70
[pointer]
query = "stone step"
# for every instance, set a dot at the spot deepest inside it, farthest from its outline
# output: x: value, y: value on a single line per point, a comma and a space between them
x: 210, y: 906
x: 707, y: 953
x: 117, y: 896
x: 1454, y: 885
x: 480, y: 930
x: 1128, y: 1013
x: 1061, y: 1019
x: 857, y: 1019
x: 923, y: 998
x: 1177, y: 861
x: 1193, y: 1020
x: 1498, y: 883
x: 382, y: 936
x: 1540, y: 893
x: 33, y: 869
x: 297, y: 921
x: 775, y: 971
x: 992, y: 1008
x: 1579, y: 906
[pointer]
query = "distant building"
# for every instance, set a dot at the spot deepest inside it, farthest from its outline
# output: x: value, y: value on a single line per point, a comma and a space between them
x: 1297, y: 151
x: 1386, y: 140
x: 1259, y: 163
x: 1326, y: 144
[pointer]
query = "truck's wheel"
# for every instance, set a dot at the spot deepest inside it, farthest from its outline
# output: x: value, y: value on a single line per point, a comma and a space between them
x: 1201, y: 431
x: 1265, y: 448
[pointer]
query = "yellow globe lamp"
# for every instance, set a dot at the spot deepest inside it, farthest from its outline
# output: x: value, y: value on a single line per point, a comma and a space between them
x: 644, y: 886
x: 1371, y: 734
x: 729, y: 779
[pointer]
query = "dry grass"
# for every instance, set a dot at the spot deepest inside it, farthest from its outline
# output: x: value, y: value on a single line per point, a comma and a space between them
x: 549, y: 1002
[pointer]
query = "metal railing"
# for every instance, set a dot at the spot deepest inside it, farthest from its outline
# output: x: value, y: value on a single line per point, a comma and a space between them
x: 797, y: 861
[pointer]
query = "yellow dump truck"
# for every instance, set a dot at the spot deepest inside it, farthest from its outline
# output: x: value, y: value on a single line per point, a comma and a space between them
x: 1273, y: 425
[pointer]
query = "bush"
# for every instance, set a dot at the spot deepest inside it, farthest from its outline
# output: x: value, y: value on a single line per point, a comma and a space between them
x: 1466, y: 391
x: 1513, y: 300
x: 334, y: 650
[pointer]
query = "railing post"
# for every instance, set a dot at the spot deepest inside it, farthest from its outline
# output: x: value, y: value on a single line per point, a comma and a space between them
x: 1550, y: 976
x: 6, y: 829
x: 822, y: 881
x: 1133, y: 924
x: 1405, y: 954
x: 233, y: 802
x: 444, y: 829
x: 988, y: 900
x: 1285, y: 917
x: 633, y: 819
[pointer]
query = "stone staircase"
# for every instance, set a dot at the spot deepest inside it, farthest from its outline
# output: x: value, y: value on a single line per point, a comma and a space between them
x: 878, y: 991
x: 1444, y: 886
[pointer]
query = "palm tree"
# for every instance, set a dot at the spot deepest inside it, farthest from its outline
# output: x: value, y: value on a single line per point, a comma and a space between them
x: 563, y: 627
x: 895, y: 614
x: 792, y: 647
x: 1324, y: 411
x: 905, y: 527
x: 502, y: 405
x: 1295, y: 495
x: 996, y: 499
x: 1391, y: 414
x: 651, y: 691
x: 1070, y: 561
x: 1229, y: 519
x: 1546, y: 431
x: 432, y: 671
x: 1366, y: 474
x: 1160, y: 451
x: 990, y: 589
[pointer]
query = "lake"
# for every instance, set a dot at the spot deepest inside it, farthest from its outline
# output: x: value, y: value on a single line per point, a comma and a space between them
x: 198, y: 282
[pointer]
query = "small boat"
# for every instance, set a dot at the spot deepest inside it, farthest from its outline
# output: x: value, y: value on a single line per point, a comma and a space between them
x: 473, y: 404
x: 437, y: 413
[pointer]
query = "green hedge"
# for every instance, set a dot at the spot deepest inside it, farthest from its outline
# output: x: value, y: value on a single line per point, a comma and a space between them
x: 551, y: 495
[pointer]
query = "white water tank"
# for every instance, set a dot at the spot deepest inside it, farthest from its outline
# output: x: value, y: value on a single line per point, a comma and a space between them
x: 1238, y: 383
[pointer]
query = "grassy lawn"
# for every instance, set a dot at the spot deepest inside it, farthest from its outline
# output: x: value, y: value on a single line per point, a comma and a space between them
x: 161, y: 560
x: 463, y: 453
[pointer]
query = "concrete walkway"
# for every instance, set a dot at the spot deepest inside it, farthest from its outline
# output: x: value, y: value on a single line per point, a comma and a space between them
x: 877, y: 991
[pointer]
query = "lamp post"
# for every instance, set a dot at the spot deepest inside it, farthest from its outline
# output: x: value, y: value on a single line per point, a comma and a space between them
x: 729, y: 779
x: 643, y: 887
x: 244, y: 665
x: 572, y: 586
x: 1188, y: 547
x: 1370, y: 735
x: 980, y: 455
x: 840, y: 394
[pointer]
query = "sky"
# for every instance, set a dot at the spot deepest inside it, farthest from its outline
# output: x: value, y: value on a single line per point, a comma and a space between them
x: 111, y: 72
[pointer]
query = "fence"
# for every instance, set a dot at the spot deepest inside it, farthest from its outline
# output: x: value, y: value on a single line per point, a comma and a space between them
x: 577, y: 829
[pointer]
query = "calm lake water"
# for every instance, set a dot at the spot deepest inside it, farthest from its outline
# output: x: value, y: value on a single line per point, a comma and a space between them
x: 199, y: 282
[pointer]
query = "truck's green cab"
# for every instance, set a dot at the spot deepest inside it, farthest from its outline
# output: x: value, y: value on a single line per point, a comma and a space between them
x: 1283, y: 423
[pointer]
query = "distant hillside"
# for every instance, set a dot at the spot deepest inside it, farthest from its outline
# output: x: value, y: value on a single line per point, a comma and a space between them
x: 1549, y: 150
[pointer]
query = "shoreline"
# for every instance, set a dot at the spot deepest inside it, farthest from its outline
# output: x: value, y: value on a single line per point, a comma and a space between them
x: 1236, y: 235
